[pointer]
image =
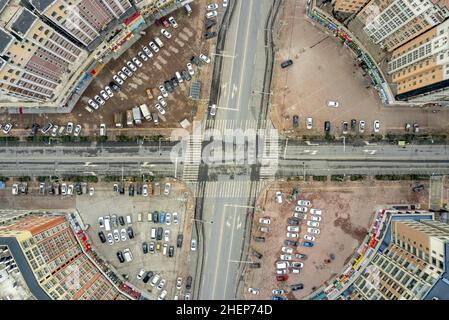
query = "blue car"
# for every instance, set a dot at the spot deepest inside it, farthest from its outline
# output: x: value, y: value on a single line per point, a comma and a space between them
x: 307, y: 244
x: 277, y: 298
x: 162, y: 218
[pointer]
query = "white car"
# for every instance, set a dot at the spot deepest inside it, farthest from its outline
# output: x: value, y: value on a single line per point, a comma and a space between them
x: 116, y: 235
x: 190, y: 68
x: 193, y: 245
x: 315, y: 218
x: 204, y: 58
x: 297, y: 214
x: 168, y: 219
x: 173, y: 22
x: 292, y: 235
x: 102, y: 129
x: 145, y: 190
x: 70, y: 190
x: 142, y: 56
x: 313, y: 224
x: 287, y: 250
x: 77, y: 130
x: 99, y: 100
x: 155, y: 280
x: 127, y: 71
x: 253, y: 291
x: 213, y: 110
x: 315, y: 211
x: 166, y: 33
x: 211, y: 14
x: 137, y: 62
x: 148, y: 52
x: 91, y: 191
x: 154, y: 46
x: 167, y: 235
x: 109, y: 91
x: 163, y: 295
x: 122, y: 75
x: 300, y: 209
x: 281, y: 271
x: 161, y: 285
x: 93, y: 104
x: 104, y: 95
x: 163, y: 91
x: 179, y: 283
x: 309, y: 237
x: 110, y: 239
x: 313, y: 230
x: 162, y: 101
x: 123, y: 234
x: 101, y: 222
x: 164, y: 249
x: 333, y: 104
x: 376, y: 126
x: 279, y: 197
x: 225, y: 3
x: 131, y: 66
x: 15, y: 189
x: 160, y: 109
x: 54, y: 131
x: 212, y: 7
x: 309, y: 123
x: 167, y: 189
x: 63, y: 189
x: 7, y: 128
x: 292, y: 228
x: 118, y: 79
x: 304, y: 203
x: 175, y: 217
x: 140, y: 274
x: 286, y: 257
x: 362, y: 125
x: 265, y: 220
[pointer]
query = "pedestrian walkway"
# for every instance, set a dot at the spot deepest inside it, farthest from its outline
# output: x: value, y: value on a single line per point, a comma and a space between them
x: 231, y: 189
x: 270, y: 154
x: 222, y: 125
x: 436, y: 192
x: 192, y: 158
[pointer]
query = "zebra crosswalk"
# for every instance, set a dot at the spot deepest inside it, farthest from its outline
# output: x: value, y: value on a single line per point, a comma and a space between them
x: 192, y: 159
x: 222, y: 125
x: 231, y: 189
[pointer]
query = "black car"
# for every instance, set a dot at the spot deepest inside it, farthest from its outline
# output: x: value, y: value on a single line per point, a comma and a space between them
x: 121, y: 220
x: 295, y: 121
x: 78, y: 189
x: 286, y: 63
x: 259, y: 239
x: 155, y: 217
x: 292, y: 243
x: 159, y: 233
x: 210, y: 23
x: 122, y: 189
x: 210, y: 35
x: 189, y: 283
x: 298, y: 286
x: 139, y: 189
x: 120, y: 257
x: 418, y: 188
x: 168, y: 86
x: 145, y: 248
x: 148, y: 276
x: 327, y: 126
x: 130, y: 232
x: 34, y: 129
x: 353, y: 124
x: 171, y: 251
x: 197, y: 61
x: 293, y: 221
x: 185, y: 75
x: 258, y: 255
x: 131, y: 190
x: 114, y: 86
x: 175, y: 82
x: 102, y: 237
x: 345, y: 127
x: 179, y: 240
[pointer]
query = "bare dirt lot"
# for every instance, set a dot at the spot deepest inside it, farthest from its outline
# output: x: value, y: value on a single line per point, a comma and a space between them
x: 186, y: 41
x: 323, y: 69
x: 347, y: 209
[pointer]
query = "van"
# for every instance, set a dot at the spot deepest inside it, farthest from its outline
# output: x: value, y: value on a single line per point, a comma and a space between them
x: 281, y: 265
x: 139, y: 217
x: 149, y: 217
x: 159, y: 42
x: 178, y: 76
x: 153, y: 233
x: 128, y: 220
x: 188, y: 9
x: 128, y: 255
x: 107, y: 225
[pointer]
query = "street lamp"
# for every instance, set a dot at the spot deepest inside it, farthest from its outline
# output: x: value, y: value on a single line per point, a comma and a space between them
x: 202, y: 221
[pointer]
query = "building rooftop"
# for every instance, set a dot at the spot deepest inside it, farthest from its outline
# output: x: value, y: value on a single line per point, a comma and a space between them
x: 440, y: 289
x: 3, y: 4
x: 23, y: 22
x: 41, y: 5
x: 5, y: 40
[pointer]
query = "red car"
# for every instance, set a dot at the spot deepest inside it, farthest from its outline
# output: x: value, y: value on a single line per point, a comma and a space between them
x: 281, y: 278
x: 165, y: 22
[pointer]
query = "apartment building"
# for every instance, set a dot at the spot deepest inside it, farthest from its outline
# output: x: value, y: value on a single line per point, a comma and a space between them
x: 57, y: 262
x: 392, y: 23
x: 349, y: 6
x: 409, y: 267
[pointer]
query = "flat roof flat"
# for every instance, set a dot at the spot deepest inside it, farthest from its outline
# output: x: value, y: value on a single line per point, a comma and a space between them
x: 5, y: 39
x: 41, y: 5
x: 3, y: 4
x: 23, y: 22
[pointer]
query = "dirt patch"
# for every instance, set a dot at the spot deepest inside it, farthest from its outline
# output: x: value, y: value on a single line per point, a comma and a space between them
x: 357, y: 233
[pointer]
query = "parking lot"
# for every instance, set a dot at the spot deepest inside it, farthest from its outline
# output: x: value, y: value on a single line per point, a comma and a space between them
x: 346, y: 212
x: 108, y: 203
x: 186, y: 40
x: 323, y: 69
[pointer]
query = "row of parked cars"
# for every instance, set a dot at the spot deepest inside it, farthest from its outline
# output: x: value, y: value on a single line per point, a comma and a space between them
x: 55, y: 130
x: 111, y: 224
x: 63, y: 189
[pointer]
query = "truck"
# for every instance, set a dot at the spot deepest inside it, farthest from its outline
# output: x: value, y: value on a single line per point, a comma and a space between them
x: 137, y: 115
x: 118, y: 119
x: 129, y: 118
x: 146, y: 112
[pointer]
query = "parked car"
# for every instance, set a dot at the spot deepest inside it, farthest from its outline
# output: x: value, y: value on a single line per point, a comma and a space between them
x: 213, y: 110
x: 345, y: 127
x: 309, y: 123
x: 327, y: 126
x: 295, y: 287
x: 173, y: 22
x: 211, y: 14
x: 332, y: 104
x: 293, y: 221
x: 137, y: 62
x: 123, y: 234
x: 253, y: 291
x: 46, y: 128
x: 204, y: 58
x: 300, y: 209
x: 315, y: 218
x: 131, y: 66
x: 292, y: 228
x: 265, y: 221
x: 167, y: 189
x: 315, y: 211
x: 166, y: 33
x: 286, y: 63
x: 148, y: 52
x: 287, y: 250
x: 307, y: 244
x: 376, y: 126
x: 148, y: 276
x: 295, y: 121
x: 130, y: 232
x: 313, y: 230
x: 193, y: 245
x: 292, y: 243
x: 292, y: 235
x: 77, y: 131
x: 120, y: 257
x: 7, y: 128
x: 361, y: 126
x: 102, y: 237
x: 309, y: 237
x: 313, y: 224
